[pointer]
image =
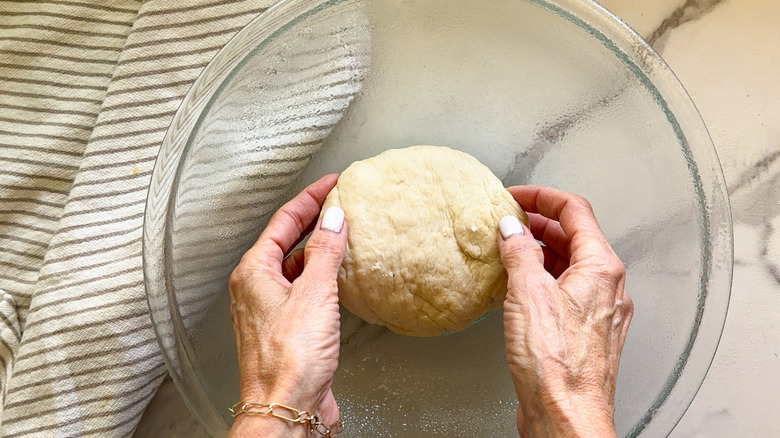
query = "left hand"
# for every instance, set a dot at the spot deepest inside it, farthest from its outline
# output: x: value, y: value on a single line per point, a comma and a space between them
x: 286, y: 315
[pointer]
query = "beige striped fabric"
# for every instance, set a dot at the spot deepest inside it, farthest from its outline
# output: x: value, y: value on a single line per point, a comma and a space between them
x: 87, y: 91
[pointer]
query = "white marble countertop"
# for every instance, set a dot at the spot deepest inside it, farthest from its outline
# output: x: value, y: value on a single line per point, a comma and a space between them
x: 727, y: 55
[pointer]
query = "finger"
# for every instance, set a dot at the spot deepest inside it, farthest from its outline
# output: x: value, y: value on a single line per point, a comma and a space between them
x: 303, y: 235
x: 288, y: 225
x: 550, y: 233
x: 573, y: 212
x: 554, y: 263
x: 520, y: 253
x: 292, y: 266
x: 326, y: 248
x: 556, y: 243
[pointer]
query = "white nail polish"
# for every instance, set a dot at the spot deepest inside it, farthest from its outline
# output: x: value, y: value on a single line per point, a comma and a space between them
x: 509, y: 226
x: 333, y: 219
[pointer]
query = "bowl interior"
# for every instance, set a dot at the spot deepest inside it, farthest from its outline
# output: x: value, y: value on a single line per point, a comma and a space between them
x: 553, y: 93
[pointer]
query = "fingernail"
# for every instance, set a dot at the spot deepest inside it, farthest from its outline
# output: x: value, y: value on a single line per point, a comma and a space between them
x: 509, y: 226
x: 333, y: 219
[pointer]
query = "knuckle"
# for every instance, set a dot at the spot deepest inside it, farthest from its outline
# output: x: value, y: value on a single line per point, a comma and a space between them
x: 628, y: 306
x: 581, y: 203
x: 323, y: 247
x: 237, y: 278
x: 618, y: 268
x: 515, y: 254
x: 245, y: 273
x: 611, y: 268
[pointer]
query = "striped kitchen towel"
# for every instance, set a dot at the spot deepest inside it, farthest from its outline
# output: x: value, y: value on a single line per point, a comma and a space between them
x: 87, y: 91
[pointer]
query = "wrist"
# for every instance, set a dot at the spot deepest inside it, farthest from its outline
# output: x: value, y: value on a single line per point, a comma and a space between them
x: 567, y: 418
x: 285, y: 388
x: 252, y: 426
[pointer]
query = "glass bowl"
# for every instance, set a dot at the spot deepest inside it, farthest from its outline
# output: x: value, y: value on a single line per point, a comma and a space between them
x: 559, y: 93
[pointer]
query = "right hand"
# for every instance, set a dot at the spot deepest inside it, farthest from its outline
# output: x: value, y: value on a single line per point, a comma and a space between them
x: 566, y: 316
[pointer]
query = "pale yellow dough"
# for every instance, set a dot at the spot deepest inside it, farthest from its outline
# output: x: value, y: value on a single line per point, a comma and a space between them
x: 423, y: 253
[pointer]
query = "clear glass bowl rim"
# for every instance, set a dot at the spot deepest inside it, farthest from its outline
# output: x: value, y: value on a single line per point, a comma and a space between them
x: 611, y: 31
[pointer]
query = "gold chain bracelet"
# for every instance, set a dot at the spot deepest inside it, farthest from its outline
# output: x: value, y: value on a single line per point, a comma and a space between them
x: 300, y: 417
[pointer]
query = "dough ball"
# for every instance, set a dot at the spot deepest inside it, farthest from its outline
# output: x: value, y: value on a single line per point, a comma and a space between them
x: 423, y: 253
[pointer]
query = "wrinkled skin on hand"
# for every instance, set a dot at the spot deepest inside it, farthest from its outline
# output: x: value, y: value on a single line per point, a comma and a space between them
x: 566, y: 317
x: 565, y: 320
x: 286, y: 316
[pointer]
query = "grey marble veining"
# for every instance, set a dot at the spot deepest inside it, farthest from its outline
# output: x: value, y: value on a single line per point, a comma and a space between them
x: 728, y: 61
x: 755, y: 201
x: 689, y: 11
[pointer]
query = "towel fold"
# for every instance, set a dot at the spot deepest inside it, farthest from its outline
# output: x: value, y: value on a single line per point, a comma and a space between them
x: 87, y: 91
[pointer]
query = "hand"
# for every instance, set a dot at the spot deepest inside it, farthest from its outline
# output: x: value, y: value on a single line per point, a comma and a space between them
x: 286, y: 315
x: 566, y: 316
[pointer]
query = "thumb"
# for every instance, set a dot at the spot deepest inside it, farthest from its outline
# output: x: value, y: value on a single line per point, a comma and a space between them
x: 326, y: 247
x: 519, y: 250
